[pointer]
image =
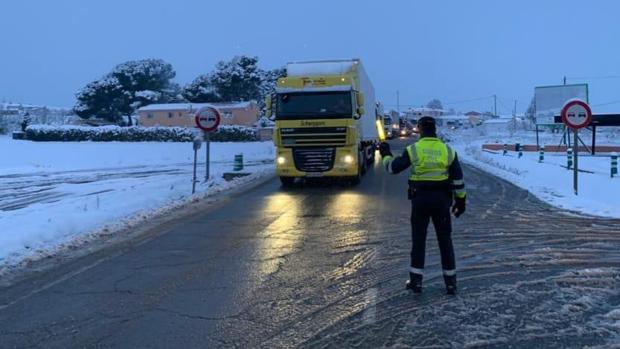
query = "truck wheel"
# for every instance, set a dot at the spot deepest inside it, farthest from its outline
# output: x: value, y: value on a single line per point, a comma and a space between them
x: 287, y: 181
x: 362, y: 163
x: 371, y: 158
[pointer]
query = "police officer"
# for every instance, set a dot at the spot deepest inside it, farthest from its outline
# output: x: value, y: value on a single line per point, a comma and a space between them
x: 436, y: 187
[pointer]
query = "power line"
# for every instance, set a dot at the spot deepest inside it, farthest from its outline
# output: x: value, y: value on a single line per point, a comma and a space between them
x: 606, y: 103
x: 593, y: 77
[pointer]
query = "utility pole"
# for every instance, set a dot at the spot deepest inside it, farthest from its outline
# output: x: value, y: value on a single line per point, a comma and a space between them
x: 514, y: 112
x: 495, y: 105
x: 398, y: 103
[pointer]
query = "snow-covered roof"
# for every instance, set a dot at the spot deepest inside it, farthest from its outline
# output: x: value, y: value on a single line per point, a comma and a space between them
x: 16, y: 106
x: 192, y: 106
x: 453, y: 117
x: 422, y: 109
x: 497, y: 121
x: 335, y: 67
x: 474, y: 113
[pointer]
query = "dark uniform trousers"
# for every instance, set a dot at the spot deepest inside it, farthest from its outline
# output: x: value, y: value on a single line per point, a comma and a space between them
x: 427, y: 205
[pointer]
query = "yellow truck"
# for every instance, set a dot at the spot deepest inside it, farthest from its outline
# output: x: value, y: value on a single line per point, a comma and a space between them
x: 326, y: 120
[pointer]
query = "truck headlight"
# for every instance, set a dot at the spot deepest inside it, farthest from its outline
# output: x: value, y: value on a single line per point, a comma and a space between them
x: 348, y: 159
x: 281, y: 160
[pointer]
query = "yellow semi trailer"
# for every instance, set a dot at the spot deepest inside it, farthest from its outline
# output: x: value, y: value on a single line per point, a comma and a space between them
x: 325, y: 120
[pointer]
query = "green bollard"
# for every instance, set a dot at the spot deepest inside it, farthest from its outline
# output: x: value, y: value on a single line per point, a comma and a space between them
x: 238, y: 162
x: 569, y: 158
x: 541, y: 153
x: 614, y: 164
x: 505, y: 149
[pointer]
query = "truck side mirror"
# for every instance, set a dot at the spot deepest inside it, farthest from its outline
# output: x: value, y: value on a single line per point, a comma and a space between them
x: 360, y: 111
x: 360, y: 99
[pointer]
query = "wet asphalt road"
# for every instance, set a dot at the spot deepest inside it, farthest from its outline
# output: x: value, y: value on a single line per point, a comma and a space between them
x: 324, y: 265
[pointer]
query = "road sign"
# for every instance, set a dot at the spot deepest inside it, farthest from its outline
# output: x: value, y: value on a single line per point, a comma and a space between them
x: 576, y: 114
x: 208, y: 119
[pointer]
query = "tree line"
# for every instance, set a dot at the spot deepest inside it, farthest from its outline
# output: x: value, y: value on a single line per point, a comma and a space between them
x: 137, y: 83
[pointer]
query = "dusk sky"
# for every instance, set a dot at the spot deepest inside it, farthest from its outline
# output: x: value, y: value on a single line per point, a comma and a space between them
x: 451, y: 50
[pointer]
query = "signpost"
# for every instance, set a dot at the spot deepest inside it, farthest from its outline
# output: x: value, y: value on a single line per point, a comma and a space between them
x: 207, y: 119
x: 196, y: 146
x: 576, y: 114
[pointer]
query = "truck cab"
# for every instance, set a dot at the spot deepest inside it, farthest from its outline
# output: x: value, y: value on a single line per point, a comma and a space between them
x: 322, y: 127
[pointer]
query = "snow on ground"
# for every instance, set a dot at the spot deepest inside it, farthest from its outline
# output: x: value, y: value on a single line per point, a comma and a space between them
x: 53, y: 194
x: 599, y: 194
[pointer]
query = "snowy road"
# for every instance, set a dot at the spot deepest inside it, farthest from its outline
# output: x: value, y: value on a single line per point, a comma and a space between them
x: 324, y: 266
x: 18, y: 191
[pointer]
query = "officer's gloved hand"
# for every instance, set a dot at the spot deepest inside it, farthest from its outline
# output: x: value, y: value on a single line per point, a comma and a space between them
x: 459, y: 207
x: 384, y: 149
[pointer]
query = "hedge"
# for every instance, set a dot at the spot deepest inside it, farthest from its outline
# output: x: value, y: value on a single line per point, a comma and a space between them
x: 45, y: 133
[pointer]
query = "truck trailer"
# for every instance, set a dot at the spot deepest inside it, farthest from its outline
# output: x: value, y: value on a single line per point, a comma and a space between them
x: 325, y: 120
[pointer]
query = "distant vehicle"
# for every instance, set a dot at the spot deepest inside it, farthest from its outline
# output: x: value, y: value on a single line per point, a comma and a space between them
x: 387, y: 126
x: 407, y: 129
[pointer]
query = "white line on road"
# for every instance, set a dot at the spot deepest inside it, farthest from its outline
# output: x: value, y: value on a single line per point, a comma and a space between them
x: 370, y: 314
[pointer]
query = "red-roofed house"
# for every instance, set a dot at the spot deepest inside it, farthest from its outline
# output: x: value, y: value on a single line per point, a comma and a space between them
x: 182, y: 114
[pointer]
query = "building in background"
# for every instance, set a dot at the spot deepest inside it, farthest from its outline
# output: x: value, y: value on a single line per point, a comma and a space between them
x: 475, y: 118
x: 413, y: 114
x: 182, y: 114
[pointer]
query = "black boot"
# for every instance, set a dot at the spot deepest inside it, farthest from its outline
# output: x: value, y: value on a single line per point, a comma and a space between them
x: 450, y: 284
x: 415, y: 283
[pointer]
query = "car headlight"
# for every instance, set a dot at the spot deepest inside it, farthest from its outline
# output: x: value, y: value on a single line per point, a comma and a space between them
x: 403, y: 132
x: 348, y: 159
x: 281, y: 160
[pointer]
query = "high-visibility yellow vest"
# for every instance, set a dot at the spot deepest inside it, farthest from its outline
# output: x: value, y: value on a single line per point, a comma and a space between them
x: 430, y: 160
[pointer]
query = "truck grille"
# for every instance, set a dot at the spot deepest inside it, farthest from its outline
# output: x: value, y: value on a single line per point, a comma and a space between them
x: 313, y: 136
x: 314, y: 159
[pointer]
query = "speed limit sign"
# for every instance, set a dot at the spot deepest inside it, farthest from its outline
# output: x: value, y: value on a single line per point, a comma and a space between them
x: 208, y: 119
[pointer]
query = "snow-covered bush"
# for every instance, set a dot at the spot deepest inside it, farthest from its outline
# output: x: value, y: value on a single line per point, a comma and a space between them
x: 44, y: 133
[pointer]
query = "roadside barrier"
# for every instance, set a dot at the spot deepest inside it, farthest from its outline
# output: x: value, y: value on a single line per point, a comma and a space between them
x: 541, y: 154
x: 614, y: 164
x: 238, y: 162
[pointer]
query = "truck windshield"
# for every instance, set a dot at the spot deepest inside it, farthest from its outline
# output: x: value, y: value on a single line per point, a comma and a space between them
x: 334, y: 104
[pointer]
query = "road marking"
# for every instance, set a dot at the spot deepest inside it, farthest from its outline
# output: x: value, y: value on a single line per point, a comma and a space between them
x: 370, y: 314
x: 58, y: 281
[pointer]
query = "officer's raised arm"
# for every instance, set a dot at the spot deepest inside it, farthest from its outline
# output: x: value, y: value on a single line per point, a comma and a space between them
x: 393, y: 164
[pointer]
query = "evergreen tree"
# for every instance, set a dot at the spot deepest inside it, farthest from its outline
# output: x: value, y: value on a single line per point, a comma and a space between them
x: 238, y: 79
x: 269, y: 80
x: 26, y: 120
x: 434, y: 104
x: 201, y: 90
x: 126, y: 88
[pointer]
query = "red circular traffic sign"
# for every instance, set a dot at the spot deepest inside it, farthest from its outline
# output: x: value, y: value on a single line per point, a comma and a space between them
x: 576, y: 114
x: 208, y: 119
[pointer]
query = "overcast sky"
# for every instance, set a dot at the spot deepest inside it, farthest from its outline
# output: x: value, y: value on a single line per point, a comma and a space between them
x: 451, y: 50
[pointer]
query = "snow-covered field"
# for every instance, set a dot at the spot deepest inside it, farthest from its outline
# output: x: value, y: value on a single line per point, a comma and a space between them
x: 53, y: 194
x: 599, y: 194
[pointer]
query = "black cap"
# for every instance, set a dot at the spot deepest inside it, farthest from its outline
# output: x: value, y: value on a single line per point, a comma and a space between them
x: 427, y: 126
